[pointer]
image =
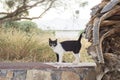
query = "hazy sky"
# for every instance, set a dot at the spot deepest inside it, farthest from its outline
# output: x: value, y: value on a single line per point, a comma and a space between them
x: 58, y: 19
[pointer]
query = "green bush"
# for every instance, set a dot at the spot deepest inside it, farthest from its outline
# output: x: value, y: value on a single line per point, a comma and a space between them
x: 25, y: 26
x: 11, y: 24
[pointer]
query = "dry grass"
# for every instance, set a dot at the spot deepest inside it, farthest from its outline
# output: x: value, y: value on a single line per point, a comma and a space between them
x: 20, y: 46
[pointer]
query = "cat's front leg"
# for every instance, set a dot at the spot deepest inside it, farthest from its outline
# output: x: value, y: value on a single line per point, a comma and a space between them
x: 60, y: 57
x: 57, y: 56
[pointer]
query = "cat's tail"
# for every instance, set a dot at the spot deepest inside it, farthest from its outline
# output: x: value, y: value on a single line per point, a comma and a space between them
x: 79, y: 39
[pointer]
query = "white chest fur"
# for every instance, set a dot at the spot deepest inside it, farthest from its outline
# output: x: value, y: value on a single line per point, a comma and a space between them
x: 58, y: 49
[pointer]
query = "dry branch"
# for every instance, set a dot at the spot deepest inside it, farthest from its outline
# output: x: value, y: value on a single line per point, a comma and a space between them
x: 14, y: 15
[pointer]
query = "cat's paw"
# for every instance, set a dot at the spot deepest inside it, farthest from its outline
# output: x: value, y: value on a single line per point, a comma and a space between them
x: 76, y: 62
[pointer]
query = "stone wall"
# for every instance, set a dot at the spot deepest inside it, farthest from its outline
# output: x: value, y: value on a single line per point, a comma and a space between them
x: 34, y: 74
x: 61, y: 73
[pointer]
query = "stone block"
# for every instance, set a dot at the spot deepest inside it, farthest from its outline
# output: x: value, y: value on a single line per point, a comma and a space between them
x: 3, y: 78
x: 38, y: 75
x: 56, y: 75
x: 68, y: 75
x: 9, y: 74
x: 19, y: 74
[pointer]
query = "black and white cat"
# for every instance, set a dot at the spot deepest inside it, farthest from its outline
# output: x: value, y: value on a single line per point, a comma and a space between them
x: 61, y: 47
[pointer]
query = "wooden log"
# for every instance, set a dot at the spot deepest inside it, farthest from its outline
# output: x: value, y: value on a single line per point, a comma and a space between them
x: 89, y: 31
x: 115, y: 17
x: 117, y: 25
x: 96, y: 27
x: 109, y: 23
x: 99, y: 54
x: 109, y: 6
x: 110, y: 43
x: 96, y: 9
x: 96, y: 31
x: 110, y: 32
x: 106, y: 0
x: 112, y: 61
x: 110, y: 13
x: 96, y: 40
x: 118, y: 13
x: 105, y: 16
x: 105, y: 26
x: 112, y: 75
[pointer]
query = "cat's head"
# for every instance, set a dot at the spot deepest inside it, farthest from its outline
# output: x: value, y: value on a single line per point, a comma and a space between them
x: 52, y: 43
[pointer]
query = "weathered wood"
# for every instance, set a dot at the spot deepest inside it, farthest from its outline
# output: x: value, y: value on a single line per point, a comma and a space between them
x: 105, y: 39
x: 97, y: 23
x: 112, y: 75
x: 100, y: 54
x: 112, y: 61
x: 110, y: 13
x: 96, y: 40
x: 102, y: 38
x: 96, y: 9
x: 109, y: 23
x: 115, y: 17
x: 109, y: 5
x: 96, y: 31
x: 89, y: 31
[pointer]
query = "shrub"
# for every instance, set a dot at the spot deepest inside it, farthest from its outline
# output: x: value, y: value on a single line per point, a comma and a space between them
x: 11, y: 24
x: 17, y: 45
x: 25, y: 26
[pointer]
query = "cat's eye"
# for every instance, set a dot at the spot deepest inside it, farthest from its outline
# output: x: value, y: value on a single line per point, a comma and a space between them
x: 54, y: 44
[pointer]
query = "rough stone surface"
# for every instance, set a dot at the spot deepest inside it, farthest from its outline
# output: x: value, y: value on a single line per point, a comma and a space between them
x: 67, y: 75
x: 56, y: 75
x: 61, y: 73
x: 9, y: 74
x: 19, y: 74
x: 38, y: 75
x: 4, y: 78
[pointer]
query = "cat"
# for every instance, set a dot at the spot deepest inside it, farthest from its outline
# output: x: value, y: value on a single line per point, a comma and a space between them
x: 70, y: 45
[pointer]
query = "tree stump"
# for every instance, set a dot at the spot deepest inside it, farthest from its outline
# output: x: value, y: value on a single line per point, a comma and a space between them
x: 103, y: 31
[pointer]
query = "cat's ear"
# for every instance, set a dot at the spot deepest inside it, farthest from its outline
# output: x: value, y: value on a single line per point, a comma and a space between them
x: 49, y: 39
x: 56, y: 40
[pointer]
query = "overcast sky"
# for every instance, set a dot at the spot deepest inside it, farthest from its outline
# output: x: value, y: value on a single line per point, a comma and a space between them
x: 56, y: 19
